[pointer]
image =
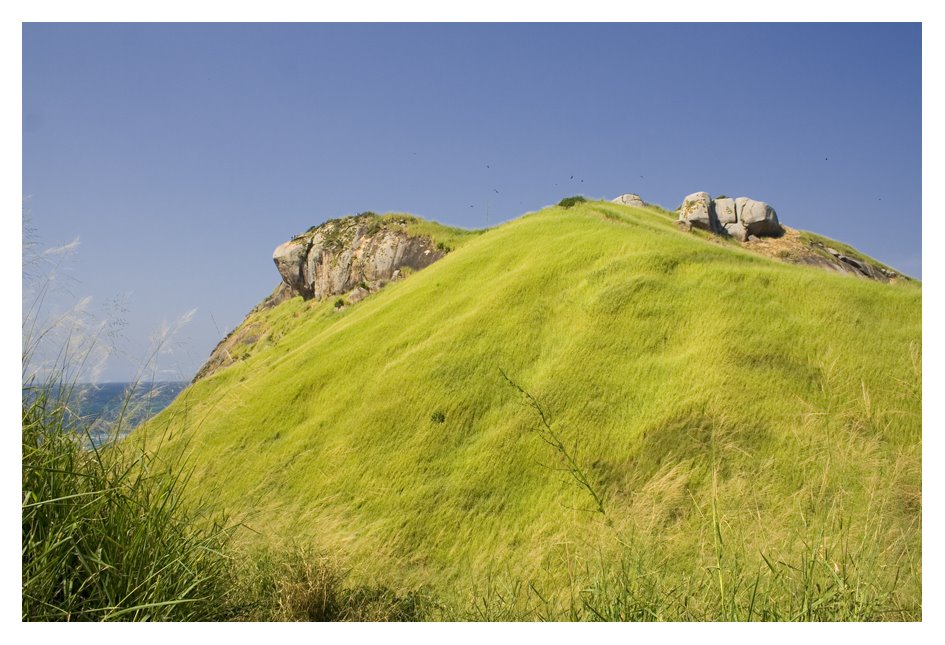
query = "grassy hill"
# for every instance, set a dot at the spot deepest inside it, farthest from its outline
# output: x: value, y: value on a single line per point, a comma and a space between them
x: 751, y: 428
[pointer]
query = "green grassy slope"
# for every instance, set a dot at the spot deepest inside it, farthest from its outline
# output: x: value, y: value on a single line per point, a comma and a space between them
x: 725, y: 406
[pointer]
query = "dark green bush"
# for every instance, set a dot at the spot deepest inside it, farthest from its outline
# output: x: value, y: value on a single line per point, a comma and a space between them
x: 438, y: 417
x: 568, y: 202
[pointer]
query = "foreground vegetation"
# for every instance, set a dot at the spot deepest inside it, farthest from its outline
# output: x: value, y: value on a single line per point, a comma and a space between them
x: 722, y: 436
x: 107, y: 535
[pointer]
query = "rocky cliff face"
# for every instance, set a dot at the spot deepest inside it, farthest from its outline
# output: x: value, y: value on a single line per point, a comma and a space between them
x: 350, y: 257
x: 353, y: 254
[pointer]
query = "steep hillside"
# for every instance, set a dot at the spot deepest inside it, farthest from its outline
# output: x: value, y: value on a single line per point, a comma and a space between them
x: 725, y: 408
x: 350, y: 257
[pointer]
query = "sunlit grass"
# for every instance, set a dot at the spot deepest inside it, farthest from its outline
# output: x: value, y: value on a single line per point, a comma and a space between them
x: 750, y: 426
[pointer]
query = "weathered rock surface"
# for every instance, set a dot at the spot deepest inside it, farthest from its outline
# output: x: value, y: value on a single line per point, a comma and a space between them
x: 350, y: 257
x: 696, y: 210
x: 725, y: 210
x: 342, y: 254
x: 741, y: 218
x: 757, y: 217
x: 629, y: 199
x: 736, y: 230
x: 865, y: 269
x: 756, y: 223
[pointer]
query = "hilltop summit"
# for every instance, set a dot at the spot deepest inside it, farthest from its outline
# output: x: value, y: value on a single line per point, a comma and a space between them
x: 689, y: 370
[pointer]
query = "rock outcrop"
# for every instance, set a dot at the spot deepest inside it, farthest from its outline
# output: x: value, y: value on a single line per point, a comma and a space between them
x: 859, y: 266
x: 740, y: 218
x: 350, y: 257
x: 342, y: 255
x: 629, y: 199
x: 725, y: 210
x: 757, y: 218
x: 753, y: 221
x: 696, y: 211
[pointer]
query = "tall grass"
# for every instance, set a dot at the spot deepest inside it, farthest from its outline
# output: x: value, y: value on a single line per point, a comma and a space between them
x: 833, y: 583
x: 106, y: 533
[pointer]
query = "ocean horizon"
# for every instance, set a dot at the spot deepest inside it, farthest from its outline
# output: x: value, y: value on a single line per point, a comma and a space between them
x: 112, y: 409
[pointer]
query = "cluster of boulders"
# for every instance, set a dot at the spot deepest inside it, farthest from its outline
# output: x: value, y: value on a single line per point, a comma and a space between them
x: 352, y: 255
x: 741, y: 218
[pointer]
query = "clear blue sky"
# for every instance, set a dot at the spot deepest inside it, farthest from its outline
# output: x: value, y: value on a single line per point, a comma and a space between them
x: 182, y: 155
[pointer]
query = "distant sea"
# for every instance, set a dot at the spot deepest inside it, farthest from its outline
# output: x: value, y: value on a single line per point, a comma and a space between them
x: 99, y: 407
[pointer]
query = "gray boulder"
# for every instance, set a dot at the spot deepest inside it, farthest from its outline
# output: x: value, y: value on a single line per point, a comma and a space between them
x: 736, y: 230
x: 757, y: 217
x: 696, y: 210
x: 725, y: 210
x: 629, y: 199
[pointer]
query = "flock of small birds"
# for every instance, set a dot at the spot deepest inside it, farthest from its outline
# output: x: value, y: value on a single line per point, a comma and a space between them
x: 496, y: 190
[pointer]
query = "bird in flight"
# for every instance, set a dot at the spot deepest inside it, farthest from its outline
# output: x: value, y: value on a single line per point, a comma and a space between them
x: 496, y: 192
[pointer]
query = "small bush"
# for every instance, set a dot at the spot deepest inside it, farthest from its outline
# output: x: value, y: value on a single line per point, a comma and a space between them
x: 375, y: 226
x: 438, y: 417
x: 568, y: 202
x: 339, y: 303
